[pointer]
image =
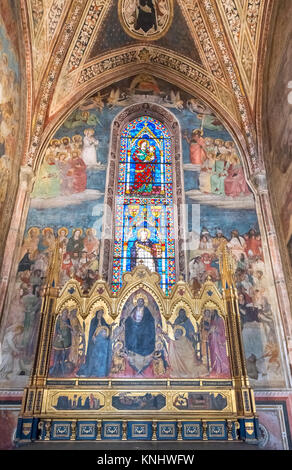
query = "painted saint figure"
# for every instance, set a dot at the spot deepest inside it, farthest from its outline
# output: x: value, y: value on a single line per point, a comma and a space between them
x: 90, y: 145
x: 217, y: 347
x: 48, y: 181
x: 146, y: 15
x: 143, y: 251
x: 77, y: 173
x: 98, y: 355
x: 62, y: 343
x: 197, y: 147
x: 140, y: 336
x: 182, y: 357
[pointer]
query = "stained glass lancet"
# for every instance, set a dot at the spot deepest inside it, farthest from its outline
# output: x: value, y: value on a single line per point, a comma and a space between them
x: 144, y: 227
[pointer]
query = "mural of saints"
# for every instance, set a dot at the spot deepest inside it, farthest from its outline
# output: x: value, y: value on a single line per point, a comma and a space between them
x: 146, y: 15
x: 140, y: 336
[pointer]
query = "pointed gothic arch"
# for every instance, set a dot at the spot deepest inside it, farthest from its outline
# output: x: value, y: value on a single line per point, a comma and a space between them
x: 121, y: 121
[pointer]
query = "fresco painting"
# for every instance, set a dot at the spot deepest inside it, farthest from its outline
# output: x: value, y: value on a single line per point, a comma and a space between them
x: 145, y: 18
x: 139, y: 401
x: 67, y: 205
x: 9, y: 107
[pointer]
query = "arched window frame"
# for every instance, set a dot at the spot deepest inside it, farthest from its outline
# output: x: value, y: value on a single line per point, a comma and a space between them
x: 119, y: 124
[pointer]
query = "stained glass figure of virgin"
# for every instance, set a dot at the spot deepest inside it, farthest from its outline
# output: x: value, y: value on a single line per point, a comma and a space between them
x: 144, y: 232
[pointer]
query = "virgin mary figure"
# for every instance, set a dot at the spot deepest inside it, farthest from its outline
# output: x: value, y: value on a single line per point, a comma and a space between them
x: 144, y: 159
x: 98, y: 356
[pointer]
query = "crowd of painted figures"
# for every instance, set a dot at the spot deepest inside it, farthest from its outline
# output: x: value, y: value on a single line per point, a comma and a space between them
x: 9, y: 107
x: 63, y: 171
x: 251, y: 281
x: 79, y: 259
x: 221, y: 171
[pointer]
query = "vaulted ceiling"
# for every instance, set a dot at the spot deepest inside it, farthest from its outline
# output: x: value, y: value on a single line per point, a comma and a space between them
x: 212, y: 49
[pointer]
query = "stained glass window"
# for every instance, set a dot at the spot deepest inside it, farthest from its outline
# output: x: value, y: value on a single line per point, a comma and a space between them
x: 144, y: 229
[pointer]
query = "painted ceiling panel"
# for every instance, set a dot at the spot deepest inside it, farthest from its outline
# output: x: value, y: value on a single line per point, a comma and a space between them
x: 213, y: 45
x: 112, y: 36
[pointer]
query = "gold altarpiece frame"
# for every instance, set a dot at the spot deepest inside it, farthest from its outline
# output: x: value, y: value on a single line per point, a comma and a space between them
x: 156, y: 408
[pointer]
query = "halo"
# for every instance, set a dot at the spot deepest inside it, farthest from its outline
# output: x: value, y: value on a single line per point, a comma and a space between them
x: 118, y: 345
x: 179, y: 327
x: 93, y: 230
x: 195, y: 131
x: 140, y: 296
x: 65, y: 138
x: 33, y: 228
x: 75, y: 230
x: 140, y: 141
x: 89, y: 129
x: 144, y: 230
x: 76, y: 137
x: 65, y: 230
x: 47, y: 229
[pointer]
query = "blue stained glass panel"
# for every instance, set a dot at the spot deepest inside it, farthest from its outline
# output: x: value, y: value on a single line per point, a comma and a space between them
x: 144, y: 232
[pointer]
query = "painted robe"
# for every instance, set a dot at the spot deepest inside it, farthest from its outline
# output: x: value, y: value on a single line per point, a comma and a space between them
x: 88, y: 154
x: 234, y: 183
x: 197, y: 151
x: 98, y: 356
x: 205, y: 175
x: 140, y: 341
x: 48, y: 182
x: 144, y: 172
x: 218, y: 177
x: 77, y: 174
x: 183, y: 363
x: 217, y: 347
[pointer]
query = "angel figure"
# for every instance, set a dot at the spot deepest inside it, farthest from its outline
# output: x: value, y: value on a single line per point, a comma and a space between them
x: 90, y: 144
x: 94, y: 102
x: 176, y: 101
x: 114, y: 98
